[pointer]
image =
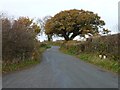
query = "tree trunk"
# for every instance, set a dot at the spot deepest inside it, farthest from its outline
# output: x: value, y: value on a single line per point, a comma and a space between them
x: 66, y: 37
x: 73, y: 36
x: 49, y: 37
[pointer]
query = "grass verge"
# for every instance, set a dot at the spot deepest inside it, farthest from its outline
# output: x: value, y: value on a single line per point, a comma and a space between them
x: 23, y: 64
x: 93, y: 58
x: 19, y: 66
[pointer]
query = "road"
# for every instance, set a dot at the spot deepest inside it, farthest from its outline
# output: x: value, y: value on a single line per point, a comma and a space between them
x: 58, y: 70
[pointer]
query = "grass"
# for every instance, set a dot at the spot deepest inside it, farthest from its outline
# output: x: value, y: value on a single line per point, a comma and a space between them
x: 23, y: 64
x: 93, y: 58
x: 104, y: 63
x: 19, y: 66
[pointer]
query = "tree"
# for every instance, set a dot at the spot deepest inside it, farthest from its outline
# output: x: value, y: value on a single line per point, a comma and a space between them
x: 42, y: 24
x: 71, y: 23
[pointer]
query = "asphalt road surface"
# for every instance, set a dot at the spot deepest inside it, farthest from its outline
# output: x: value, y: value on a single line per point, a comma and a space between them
x: 58, y: 70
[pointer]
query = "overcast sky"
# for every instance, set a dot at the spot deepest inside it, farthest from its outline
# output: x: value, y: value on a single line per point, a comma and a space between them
x: 107, y: 9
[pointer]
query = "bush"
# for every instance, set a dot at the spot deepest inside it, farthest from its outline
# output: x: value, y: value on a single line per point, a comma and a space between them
x: 104, y: 45
x: 18, y: 42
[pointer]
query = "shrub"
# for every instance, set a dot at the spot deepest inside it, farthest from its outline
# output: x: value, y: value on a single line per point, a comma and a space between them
x: 18, y: 41
x: 104, y: 45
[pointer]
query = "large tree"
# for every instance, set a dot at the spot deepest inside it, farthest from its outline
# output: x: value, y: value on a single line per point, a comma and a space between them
x: 71, y: 23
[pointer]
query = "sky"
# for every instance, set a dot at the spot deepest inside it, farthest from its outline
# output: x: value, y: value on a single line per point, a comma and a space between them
x: 107, y: 9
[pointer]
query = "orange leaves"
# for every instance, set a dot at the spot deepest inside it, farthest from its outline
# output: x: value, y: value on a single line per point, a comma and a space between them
x: 25, y: 21
x: 36, y: 28
x: 74, y: 22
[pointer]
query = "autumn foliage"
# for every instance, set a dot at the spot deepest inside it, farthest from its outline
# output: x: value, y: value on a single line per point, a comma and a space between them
x: 18, y: 40
x: 71, y: 23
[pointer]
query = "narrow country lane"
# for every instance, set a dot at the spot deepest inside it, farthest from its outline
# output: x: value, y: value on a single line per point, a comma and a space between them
x: 58, y: 70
